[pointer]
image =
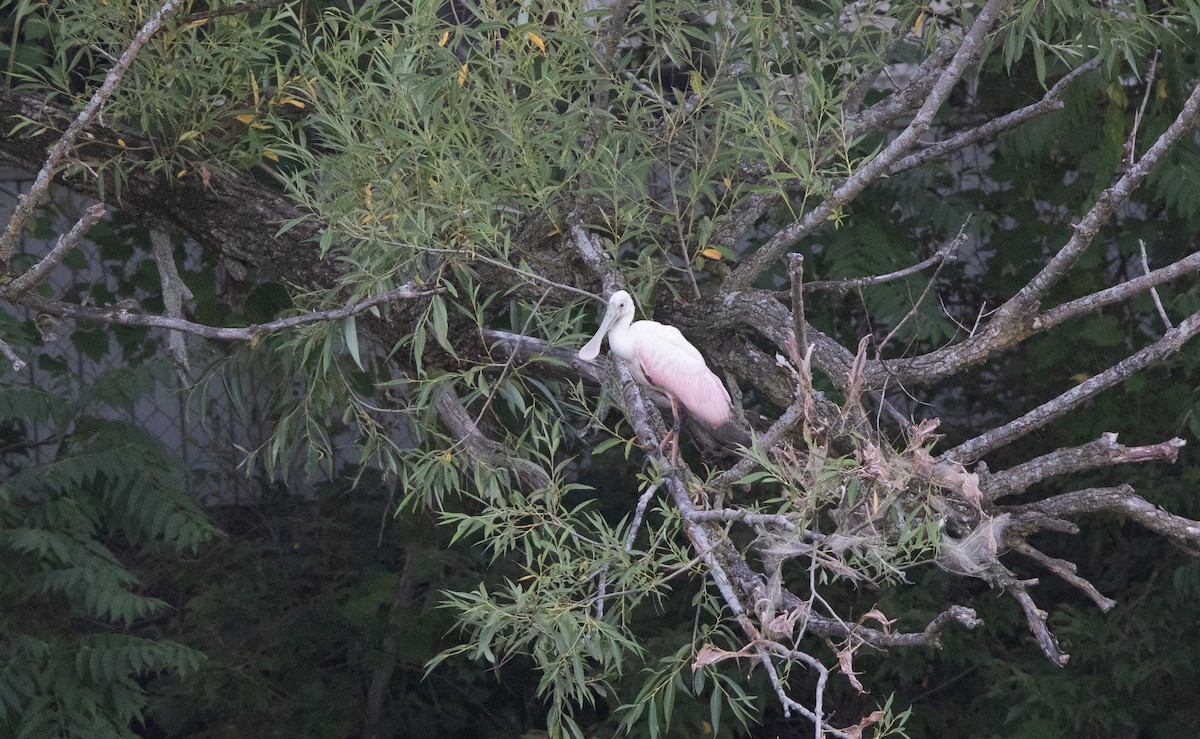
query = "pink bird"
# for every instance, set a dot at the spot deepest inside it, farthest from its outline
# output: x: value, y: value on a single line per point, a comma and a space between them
x: 660, y: 357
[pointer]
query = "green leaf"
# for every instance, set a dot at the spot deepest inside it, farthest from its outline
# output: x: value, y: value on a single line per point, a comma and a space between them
x: 350, y: 334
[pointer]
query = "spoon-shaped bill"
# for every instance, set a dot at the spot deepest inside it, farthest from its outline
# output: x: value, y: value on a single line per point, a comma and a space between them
x: 591, y: 349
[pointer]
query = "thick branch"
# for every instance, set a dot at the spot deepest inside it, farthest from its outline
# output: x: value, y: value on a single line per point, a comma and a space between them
x: 482, y: 449
x: 1104, y: 452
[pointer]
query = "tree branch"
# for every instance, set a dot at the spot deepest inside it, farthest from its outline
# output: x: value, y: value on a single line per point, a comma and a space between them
x: 482, y: 449
x: 1169, y: 344
x: 40, y: 184
x: 786, y: 237
x: 1104, y: 452
x: 124, y: 314
x: 1119, y: 499
x: 1052, y: 100
x: 1127, y: 289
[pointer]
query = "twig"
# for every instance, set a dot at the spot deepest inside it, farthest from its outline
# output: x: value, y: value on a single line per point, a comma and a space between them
x: 796, y: 273
x: 18, y: 364
x: 1162, y: 312
x: 508, y: 362
x: 1131, y: 142
x: 854, y: 283
x: 531, y: 276
x: 68, y: 241
x: 1064, y: 569
x: 41, y: 183
x: 122, y: 315
x: 920, y: 298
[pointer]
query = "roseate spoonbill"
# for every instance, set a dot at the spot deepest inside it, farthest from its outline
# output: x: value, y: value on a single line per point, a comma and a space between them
x: 659, y: 356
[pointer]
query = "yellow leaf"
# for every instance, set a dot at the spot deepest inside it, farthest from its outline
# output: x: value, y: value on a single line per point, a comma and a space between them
x: 1160, y: 90
x: 445, y: 37
x: 121, y: 143
x: 195, y: 24
x: 537, y: 40
x: 727, y: 182
x: 919, y: 22
x: 696, y: 82
x: 291, y: 101
x: 187, y: 136
x: 181, y: 173
x: 711, y: 253
x: 270, y: 155
x: 254, y: 341
x: 433, y: 184
x: 706, y: 727
x: 368, y: 199
x: 367, y: 218
x: 462, y: 75
x: 251, y: 121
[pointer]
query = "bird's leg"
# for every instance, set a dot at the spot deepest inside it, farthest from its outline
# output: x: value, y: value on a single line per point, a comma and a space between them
x: 673, y: 434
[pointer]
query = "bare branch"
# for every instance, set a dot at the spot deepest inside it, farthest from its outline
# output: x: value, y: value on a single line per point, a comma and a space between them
x: 1036, y: 618
x: 1169, y: 344
x: 40, y: 184
x: 123, y: 314
x: 175, y: 294
x: 1131, y: 142
x: 1120, y: 499
x: 783, y: 239
x: 854, y: 283
x: 1104, y: 452
x: 796, y: 273
x: 1064, y: 569
x: 18, y: 364
x: 1052, y: 100
x: 1162, y: 312
x: 1127, y: 289
x: 68, y: 241
x: 1027, y: 297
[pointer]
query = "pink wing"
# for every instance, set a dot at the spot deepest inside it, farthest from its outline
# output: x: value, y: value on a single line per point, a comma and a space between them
x: 670, y: 362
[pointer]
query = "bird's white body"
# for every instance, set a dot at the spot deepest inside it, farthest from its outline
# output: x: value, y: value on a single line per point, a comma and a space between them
x: 659, y: 356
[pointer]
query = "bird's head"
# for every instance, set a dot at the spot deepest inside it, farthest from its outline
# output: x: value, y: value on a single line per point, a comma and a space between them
x: 620, y: 309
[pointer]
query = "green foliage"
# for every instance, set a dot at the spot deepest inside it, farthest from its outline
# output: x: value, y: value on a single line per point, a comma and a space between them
x: 64, y: 526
